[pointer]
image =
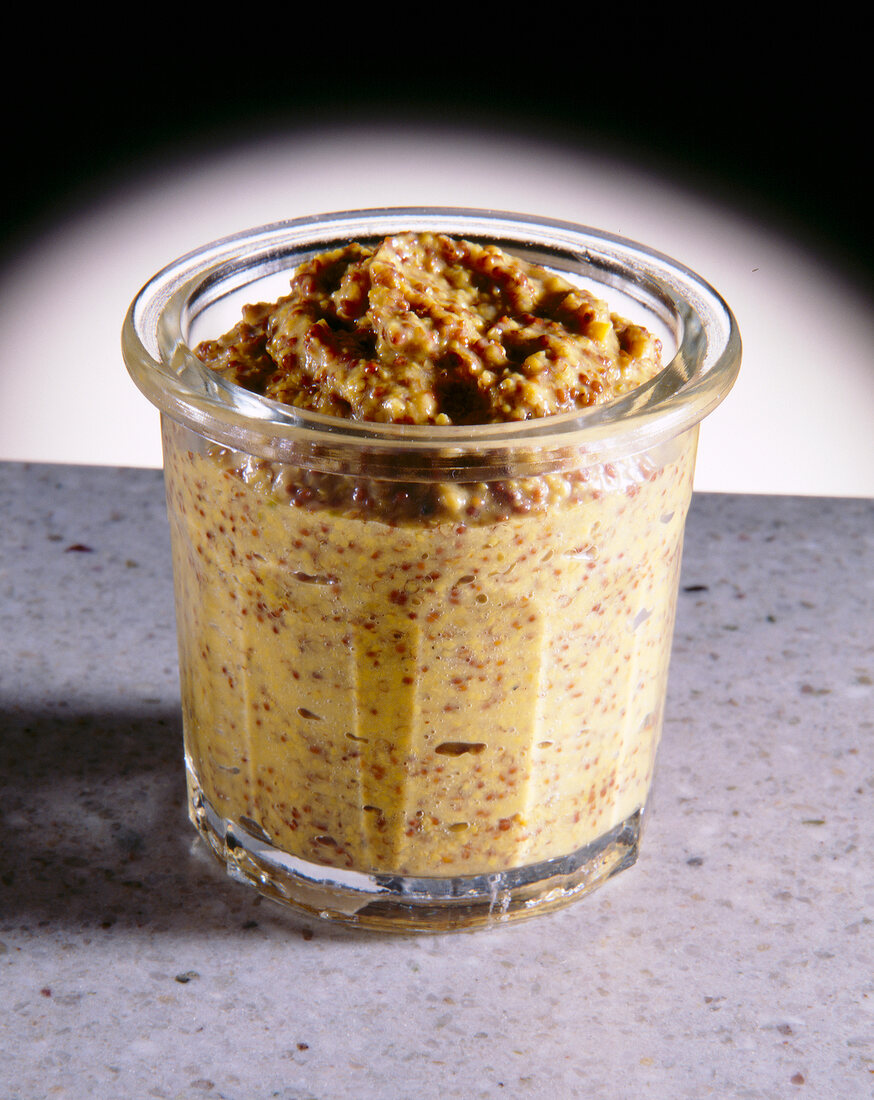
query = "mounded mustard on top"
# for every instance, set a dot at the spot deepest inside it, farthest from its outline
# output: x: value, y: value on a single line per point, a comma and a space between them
x: 427, y: 329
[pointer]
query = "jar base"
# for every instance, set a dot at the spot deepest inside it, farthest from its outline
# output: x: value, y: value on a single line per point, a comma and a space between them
x: 397, y: 903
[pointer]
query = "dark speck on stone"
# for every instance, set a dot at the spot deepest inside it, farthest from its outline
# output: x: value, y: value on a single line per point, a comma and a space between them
x: 696, y: 588
x: 129, y: 841
x: 79, y: 548
x: 185, y: 978
x: 695, y: 861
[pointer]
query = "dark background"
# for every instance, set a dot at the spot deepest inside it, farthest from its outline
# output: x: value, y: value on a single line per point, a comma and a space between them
x: 774, y: 119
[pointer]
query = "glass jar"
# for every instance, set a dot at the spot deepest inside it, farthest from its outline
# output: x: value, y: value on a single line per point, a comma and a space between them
x: 423, y: 669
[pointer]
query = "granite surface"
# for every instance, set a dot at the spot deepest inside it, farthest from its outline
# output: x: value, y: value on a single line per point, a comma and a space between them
x: 736, y: 959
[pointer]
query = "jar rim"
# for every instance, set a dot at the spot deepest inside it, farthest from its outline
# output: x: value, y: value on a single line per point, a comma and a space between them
x: 163, y: 366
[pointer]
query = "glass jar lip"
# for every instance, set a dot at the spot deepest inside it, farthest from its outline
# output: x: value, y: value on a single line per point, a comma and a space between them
x: 689, y: 387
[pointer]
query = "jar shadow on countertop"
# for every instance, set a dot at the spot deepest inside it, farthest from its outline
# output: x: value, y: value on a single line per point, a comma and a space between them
x: 93, y: 805
x: 96, y: 834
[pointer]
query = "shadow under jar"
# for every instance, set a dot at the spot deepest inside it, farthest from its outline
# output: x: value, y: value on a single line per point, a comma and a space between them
x: 424, y: 668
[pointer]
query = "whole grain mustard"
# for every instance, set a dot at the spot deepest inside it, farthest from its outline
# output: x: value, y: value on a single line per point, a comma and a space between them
x: 421, y: 677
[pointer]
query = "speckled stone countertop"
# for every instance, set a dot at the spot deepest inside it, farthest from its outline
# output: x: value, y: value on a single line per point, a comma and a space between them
x: 736, y: 959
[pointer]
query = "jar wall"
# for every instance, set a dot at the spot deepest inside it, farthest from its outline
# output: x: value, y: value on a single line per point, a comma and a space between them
x: 476, y: 689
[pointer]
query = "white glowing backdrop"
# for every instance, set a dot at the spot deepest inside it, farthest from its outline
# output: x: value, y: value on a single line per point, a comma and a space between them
x: 799, y: 420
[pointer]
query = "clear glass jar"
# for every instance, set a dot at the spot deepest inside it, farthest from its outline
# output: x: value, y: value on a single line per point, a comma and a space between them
x: 424, y: 668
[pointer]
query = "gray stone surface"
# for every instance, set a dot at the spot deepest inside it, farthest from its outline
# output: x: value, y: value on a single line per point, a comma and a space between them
x: 735, y: 960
